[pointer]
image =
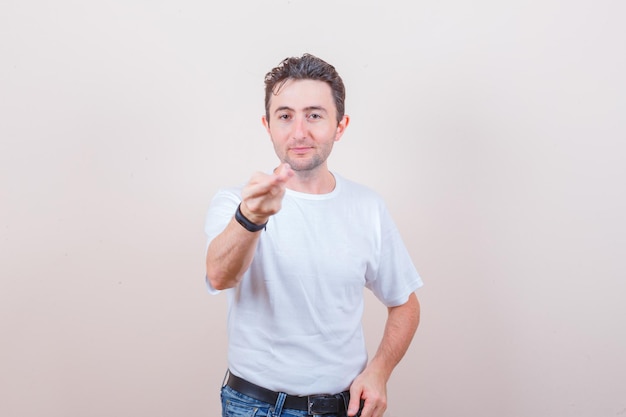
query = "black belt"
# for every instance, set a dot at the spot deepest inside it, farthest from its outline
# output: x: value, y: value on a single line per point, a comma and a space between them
x: 314, y: 404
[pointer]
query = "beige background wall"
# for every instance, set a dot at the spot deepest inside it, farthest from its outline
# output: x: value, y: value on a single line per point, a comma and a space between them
x: 494, y: 129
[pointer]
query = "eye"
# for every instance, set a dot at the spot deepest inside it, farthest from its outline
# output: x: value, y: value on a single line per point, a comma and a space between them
x: 283, y: 116
x: 315, y: 116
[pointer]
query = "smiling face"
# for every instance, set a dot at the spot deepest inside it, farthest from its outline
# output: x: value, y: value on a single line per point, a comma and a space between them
x: 303, y: 124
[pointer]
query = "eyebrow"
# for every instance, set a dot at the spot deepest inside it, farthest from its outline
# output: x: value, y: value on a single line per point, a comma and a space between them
x: 309, y: 108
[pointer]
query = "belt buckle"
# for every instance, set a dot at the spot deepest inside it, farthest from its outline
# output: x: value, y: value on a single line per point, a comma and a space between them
x: 322, y: 404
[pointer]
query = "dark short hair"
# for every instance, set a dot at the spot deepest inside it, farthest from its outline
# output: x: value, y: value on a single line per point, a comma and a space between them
x: 306, y: 67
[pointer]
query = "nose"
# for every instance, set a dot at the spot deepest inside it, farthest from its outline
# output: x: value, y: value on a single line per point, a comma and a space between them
x: 299, y: 128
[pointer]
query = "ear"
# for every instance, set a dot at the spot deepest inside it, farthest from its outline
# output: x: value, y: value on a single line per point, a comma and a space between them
x: 266, y: 123
x: 341, y: 127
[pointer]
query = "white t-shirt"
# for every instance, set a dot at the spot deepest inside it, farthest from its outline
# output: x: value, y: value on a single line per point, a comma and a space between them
x: 294, y: 321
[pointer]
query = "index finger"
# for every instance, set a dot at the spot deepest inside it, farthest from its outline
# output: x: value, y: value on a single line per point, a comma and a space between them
x: 261, y: 184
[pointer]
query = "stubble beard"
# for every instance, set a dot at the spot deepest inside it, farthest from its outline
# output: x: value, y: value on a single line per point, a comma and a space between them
x: 303, y: 166
x: 309, y: 164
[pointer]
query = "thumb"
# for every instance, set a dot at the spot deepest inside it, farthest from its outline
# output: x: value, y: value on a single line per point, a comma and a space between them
x: 355, y: 402
x: 283, y: 172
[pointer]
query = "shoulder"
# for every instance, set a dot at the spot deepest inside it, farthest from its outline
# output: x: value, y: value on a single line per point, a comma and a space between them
x: 224, y: 202
x: 353, y: 189
x: 227, y: 195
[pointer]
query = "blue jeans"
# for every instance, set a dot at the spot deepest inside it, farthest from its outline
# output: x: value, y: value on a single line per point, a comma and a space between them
x: 235, y: 404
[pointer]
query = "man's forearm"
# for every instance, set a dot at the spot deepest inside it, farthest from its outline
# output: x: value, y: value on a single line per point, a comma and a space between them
x: 229, y: 255
x: 400, y: 328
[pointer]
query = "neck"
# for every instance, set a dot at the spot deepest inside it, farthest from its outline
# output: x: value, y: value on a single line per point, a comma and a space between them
x: 312, y: 183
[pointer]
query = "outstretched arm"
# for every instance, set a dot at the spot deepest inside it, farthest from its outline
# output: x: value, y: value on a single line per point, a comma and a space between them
x: 230, y: 253
x: 371, y: 384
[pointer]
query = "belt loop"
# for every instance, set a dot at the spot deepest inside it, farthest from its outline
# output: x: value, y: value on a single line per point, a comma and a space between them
x: 346, y: 401
x: 280, y: 401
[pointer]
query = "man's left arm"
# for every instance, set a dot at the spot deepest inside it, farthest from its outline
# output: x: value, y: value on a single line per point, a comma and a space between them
x: 371, y: 384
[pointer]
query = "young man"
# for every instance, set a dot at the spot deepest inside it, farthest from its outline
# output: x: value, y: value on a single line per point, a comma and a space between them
x: 294, y: 249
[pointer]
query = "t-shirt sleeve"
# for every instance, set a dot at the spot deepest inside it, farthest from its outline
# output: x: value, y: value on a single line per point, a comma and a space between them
x: 395, y: 276
x: 220, y: 212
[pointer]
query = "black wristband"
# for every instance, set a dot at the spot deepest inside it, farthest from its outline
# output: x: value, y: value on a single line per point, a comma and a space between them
x: 247, y: 224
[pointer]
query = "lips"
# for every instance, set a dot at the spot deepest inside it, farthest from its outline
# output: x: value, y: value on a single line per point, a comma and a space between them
x: 300, y: 149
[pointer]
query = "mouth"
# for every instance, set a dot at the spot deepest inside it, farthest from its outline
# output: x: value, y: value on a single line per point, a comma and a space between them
x: 300, y: 150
